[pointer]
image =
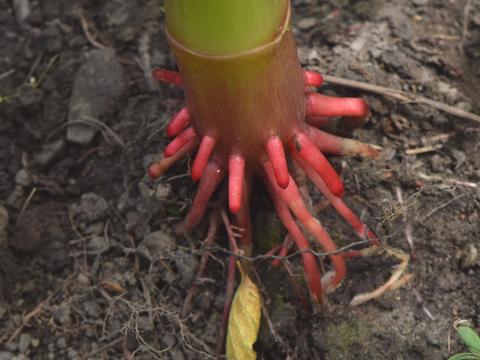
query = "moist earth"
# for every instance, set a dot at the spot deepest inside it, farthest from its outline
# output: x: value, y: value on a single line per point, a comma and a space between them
x: 90, y: 264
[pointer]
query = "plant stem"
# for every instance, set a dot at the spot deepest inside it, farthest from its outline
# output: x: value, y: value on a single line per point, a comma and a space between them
x: 224, y: 27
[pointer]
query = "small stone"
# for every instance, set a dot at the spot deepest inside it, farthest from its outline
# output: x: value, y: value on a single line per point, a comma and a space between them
x: 169, y: 340
x: 92, y: 309
x: 460, y: 158
x: 307, y: 23
x: 6, y: 355
x: 23, y: 178
x: 98, y: 84
x: 437, y: 163
x: 83, y: 280
x: 163, y: 191
x: 420, y: 2
x: 186, y: 265
x: 24, y: 342
x: 72, y: 354
x: 97, y: 244
x: 35, y: 342
x: 48, y: 153
x: 449, y: 91
x: 94, y: 207
x: 62, y: 343
x: 22, y: 10
x: 469, y: 257
x: 145, y: 324
x: 158, y: 245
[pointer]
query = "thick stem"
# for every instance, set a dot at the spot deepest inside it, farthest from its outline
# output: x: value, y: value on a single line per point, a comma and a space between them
x: 224, y: 27
x: 245, y: 98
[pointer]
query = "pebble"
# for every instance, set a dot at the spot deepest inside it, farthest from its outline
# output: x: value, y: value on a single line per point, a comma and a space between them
x: 53, y: 39
x: 22, y: 10
x: 158, y: 245
x: 6, y: 355
x: 23, y: 178
x: 186, y: 265
x: 93, y: 206
x: 24, y: 342
x: 469, y: 257
x: 307, y: 23
x: 35, y: 342
x: 98, y: 243
x: 61, y: 343
x: 48, y: 153
x: 98, y: 84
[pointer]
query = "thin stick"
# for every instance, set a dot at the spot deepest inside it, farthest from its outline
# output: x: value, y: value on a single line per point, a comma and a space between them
x: 397, y: 279
x: 86, y: 31
x: 402, y: 96
x: 212, y: 231
x: 25, y: 204
x: 466, y: 16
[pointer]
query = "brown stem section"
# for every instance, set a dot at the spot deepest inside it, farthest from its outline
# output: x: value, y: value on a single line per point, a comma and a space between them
x: 243, y: 99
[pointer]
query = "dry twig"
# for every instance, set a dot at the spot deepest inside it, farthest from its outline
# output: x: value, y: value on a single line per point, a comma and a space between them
x: 402, y: 96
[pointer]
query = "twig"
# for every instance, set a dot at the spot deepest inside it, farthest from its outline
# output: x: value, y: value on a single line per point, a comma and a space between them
x: 102, y: 349
x: 402, y: 96
x: 444, y: 205
x: 448, y: 180
x: 408, y: 230
x: 397, y: 279
x: 214, y: 222
x: 26, y: 319
x: 7, y: 74
x: 466, y: 15
x: 423, y: 149
x: 26, y: 203
x: 86, y: 31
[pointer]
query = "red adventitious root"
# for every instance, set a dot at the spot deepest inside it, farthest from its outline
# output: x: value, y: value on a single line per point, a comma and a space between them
x: 306, y: 145
x: 211, y: 178
x: 171, y: 77
x: 278, y: 160
x: 178, y: 123
x: 180, y: 141
x: 302, y: 145
x: 236, y: 169
x: 292, y: 198
x: 203, y: 155
x: 312, y: 78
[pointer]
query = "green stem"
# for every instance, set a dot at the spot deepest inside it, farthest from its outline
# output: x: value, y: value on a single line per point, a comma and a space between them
x: 225, y: 27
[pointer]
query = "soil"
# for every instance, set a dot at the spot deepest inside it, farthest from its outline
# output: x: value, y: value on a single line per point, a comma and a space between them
x: 90, y: 265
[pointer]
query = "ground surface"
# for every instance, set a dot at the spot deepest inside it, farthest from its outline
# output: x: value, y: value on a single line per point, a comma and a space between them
x: 93, y: 269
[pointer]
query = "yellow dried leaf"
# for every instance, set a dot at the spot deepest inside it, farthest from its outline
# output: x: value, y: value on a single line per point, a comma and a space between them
x: 244, y: 320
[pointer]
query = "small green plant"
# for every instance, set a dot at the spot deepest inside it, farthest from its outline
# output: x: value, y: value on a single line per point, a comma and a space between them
x: 470, y: 338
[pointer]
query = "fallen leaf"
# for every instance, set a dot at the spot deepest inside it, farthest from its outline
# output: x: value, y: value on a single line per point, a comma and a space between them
x: 244, y: 320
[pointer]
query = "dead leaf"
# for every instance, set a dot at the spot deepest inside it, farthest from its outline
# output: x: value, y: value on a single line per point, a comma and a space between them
x: 244, y: 320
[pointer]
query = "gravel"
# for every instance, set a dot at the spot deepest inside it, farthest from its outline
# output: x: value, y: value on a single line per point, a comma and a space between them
x: 98, y: 84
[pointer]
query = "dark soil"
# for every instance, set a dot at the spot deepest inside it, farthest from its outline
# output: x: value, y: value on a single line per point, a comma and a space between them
x: 90, y: 267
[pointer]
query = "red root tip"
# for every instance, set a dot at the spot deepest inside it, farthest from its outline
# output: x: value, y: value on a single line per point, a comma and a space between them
x: 302, y: 145
x: 276, y: 154
x: 170, y: 77
x: 204, y: 152
x: 312, y: 78
x: 236, y: 169
x: 321, y: 105
x: 154, y: 171
x: 179, y: 142
x: 178, y: 123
